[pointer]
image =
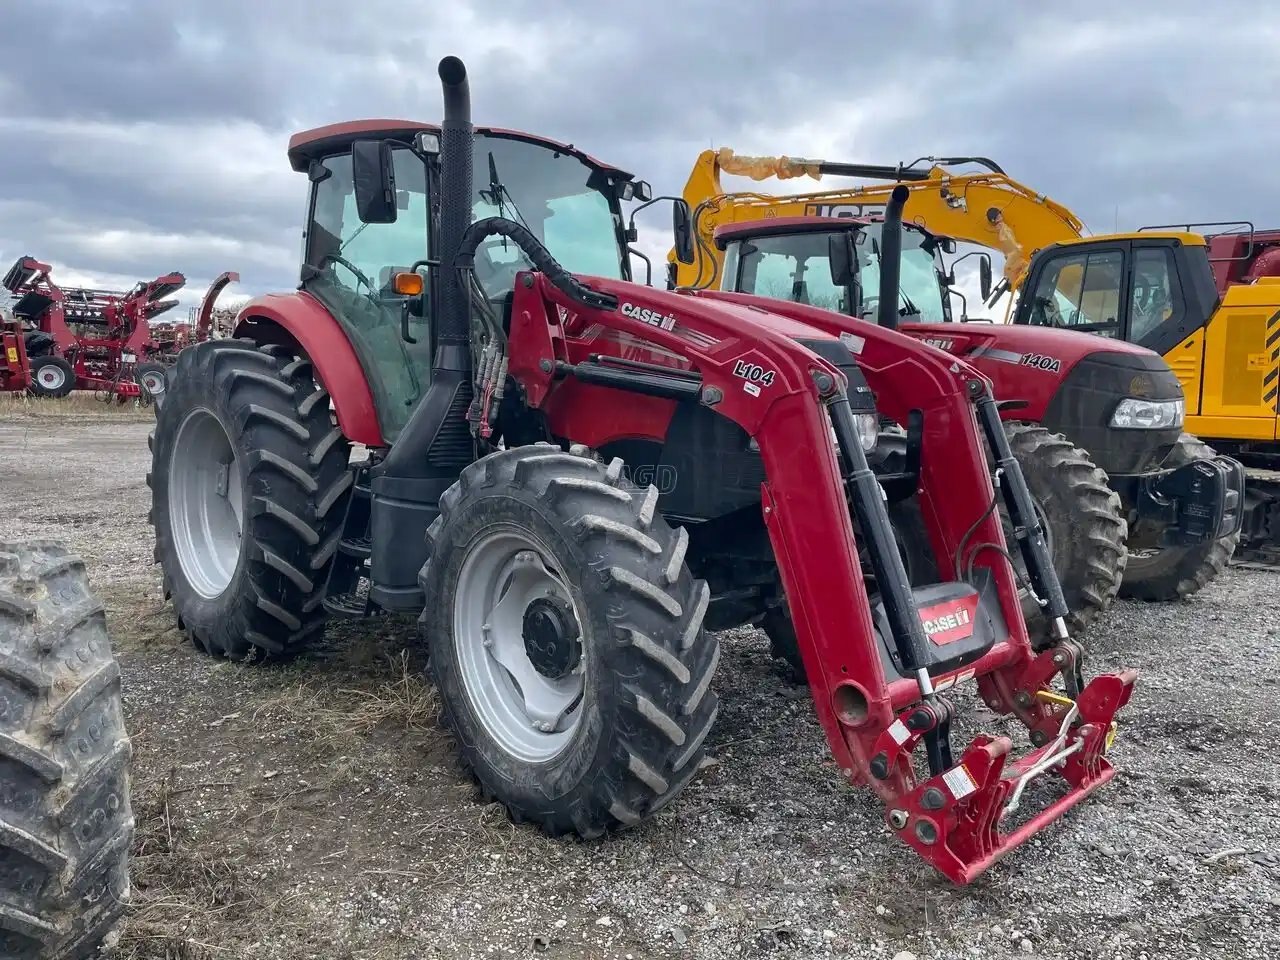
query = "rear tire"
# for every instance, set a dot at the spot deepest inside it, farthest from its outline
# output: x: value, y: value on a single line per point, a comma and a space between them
x: 257, y: 451
x: 1171, y: 573
x: 633, y: 653
x: 66, y: 821
x: 1084, y: 520
x: 52, y: 377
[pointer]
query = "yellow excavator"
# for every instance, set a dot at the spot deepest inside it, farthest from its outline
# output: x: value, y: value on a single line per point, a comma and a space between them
x: 1210, y: 305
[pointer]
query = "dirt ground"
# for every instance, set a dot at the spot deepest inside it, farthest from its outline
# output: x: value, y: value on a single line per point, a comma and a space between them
x: 315, y: 810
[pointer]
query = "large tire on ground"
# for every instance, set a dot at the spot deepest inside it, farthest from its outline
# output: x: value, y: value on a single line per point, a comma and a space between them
x: 52, y: 377
x: 150, y: 378
x: 1084, y: 524
x: 1170, y: 573
x: 889, y: 456
x: 566, y: 640
x: 66, y: 821
x: 249, y: 482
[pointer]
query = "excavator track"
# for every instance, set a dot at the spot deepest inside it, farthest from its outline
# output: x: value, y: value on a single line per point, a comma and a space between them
x: 1259, y: 547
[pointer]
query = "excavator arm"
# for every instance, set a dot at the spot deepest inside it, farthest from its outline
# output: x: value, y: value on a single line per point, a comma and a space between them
x: 987, y: 208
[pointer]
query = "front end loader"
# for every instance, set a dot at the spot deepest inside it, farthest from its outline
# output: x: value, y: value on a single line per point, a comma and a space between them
x: 571, y: 477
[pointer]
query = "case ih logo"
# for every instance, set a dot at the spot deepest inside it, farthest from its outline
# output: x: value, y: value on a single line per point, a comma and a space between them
x: 950, y: 620
x: 942, y: 343
x: 655, y: 318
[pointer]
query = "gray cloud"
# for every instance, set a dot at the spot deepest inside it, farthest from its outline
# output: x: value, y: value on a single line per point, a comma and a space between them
x: 146, y: 136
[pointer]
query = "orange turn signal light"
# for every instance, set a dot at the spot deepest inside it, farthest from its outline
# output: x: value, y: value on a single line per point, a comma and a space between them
x: 408, y: 284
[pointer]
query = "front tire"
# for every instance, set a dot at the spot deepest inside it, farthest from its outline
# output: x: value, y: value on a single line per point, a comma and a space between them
x: 1174, y: 572
x: 66, y: 820
x: 249, y: 482
x: 566, y: 640
x: 1084, y: 522
x: 52, y: 377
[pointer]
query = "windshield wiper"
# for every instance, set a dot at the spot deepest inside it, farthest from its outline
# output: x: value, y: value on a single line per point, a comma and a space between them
x: 495, y: 194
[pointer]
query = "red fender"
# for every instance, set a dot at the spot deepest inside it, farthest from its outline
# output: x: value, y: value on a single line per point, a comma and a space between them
x: 300, y: 319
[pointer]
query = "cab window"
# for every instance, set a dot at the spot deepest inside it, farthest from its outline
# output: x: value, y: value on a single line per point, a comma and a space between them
x: 1080, y: 291
x: 350, y: 265
x: 793, y: 267
x: 1155, y: 292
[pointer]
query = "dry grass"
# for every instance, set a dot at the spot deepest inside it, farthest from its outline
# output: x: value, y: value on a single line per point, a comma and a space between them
x: 79, y: 405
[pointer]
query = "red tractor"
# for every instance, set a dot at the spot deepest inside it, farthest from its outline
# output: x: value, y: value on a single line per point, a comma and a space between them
x: 573, y: 479
x: 1096, y: 423
x: 79, y: 338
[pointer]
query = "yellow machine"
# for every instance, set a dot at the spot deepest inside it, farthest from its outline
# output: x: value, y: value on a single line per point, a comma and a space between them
x: 1152, y: 287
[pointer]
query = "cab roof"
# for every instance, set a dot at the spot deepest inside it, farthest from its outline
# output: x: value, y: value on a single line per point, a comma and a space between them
x: 779, y: 226
x: 335, y: 138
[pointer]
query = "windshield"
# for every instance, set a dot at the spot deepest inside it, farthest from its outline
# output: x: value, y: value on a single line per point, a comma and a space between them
x: 797, y: 267
x: 920, y: 281
x: 564, y: 202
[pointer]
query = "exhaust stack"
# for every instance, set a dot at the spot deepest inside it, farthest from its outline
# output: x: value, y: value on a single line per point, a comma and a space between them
x: 891, y: 258
x: 457, y: 140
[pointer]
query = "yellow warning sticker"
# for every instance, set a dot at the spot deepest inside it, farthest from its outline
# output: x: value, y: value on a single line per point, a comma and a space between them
x: 12, y: 354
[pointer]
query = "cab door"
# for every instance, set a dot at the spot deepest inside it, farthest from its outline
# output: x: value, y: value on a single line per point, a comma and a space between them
x: 349, y: 268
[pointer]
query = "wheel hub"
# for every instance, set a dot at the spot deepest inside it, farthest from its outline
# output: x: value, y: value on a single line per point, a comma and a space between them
x: 551, y: 638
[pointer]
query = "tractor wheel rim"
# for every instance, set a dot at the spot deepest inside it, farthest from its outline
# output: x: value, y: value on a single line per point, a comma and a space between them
x: 51, y: 377
x: 153, y: 382
x: 206, y: 503
x: 524, y: 680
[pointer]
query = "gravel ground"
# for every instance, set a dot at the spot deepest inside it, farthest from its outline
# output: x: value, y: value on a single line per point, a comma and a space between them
x: 315, y: 810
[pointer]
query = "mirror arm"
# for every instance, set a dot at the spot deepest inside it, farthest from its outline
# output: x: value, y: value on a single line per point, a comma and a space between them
x: 648, y: 265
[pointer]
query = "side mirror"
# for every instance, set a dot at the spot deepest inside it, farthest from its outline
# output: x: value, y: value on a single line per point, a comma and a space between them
x: 373, y: 175
x: 844, y: 265
x: 984, y: 276
x: 682, y: 226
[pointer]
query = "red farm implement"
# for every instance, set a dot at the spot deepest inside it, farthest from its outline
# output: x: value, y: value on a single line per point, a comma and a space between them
x: 81, y: 338
x: 15, y: 368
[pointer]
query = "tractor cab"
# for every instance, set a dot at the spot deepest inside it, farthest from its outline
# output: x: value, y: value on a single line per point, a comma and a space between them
x: 374, y: 190
x: 834, y: 262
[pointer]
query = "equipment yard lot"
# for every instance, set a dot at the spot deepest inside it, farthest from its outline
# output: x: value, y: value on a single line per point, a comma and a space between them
x: 315, y: 810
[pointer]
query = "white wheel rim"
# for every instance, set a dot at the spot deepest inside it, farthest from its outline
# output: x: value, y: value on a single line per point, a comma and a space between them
x: 51, y: 377
x: 206, y: 504
x: 529, y: 715
x: 153, y: 382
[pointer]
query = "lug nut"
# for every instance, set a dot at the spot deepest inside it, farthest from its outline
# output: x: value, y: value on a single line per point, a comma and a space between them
x: 898, y: 818
x: 1022, y: 699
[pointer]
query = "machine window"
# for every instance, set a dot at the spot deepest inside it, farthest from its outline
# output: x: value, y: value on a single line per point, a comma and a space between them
x: 1080, y: 291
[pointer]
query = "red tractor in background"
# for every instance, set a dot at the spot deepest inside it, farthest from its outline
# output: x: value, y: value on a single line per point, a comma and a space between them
x: 466, y: 312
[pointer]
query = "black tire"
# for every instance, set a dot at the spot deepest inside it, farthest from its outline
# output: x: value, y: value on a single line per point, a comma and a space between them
x: 647, y: 706
x: 1171, y: 573
x: 295, y: 482
x: 38, y: 343
x: 66, y: 820
x: 1085, y: 522
x: 889, y: 456
x: 60, y: 378
x: 151, y: 381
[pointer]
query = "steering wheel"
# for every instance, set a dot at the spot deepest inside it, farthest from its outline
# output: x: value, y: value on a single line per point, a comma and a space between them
x: 359, y: 274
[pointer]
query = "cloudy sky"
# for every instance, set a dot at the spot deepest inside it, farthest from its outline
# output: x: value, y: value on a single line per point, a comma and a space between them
x: 141, y: 136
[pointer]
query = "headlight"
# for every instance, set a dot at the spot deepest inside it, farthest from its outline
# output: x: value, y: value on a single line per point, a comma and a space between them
x: 868, y: 427
x: 1134, y: 414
